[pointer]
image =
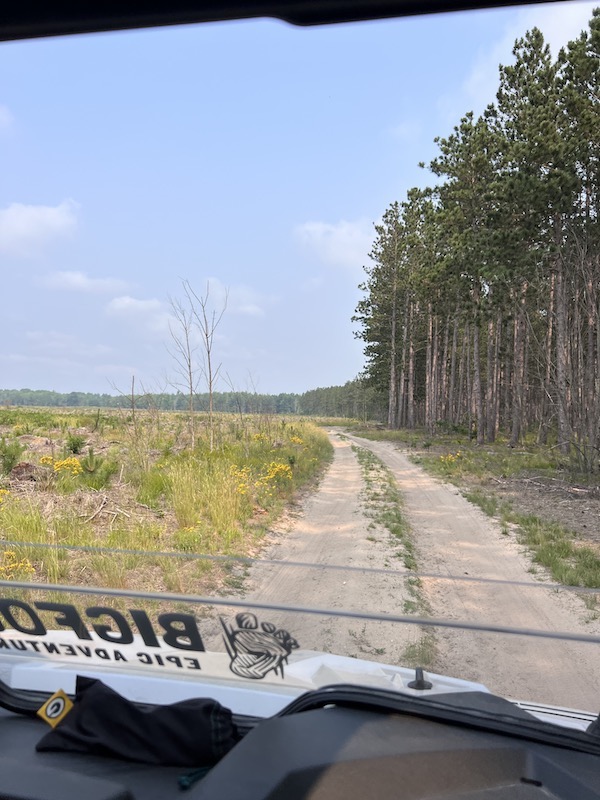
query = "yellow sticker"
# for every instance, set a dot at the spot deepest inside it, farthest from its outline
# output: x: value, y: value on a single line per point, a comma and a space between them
x: 55, y: 709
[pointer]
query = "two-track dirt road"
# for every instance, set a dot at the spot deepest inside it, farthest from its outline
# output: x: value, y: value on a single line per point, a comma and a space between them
x: 452, y: 538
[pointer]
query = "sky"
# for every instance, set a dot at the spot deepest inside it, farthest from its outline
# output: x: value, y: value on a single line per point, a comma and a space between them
x: 251, y: 159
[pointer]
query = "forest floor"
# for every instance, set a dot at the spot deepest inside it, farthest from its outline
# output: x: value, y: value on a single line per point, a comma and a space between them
x: 571, y: 504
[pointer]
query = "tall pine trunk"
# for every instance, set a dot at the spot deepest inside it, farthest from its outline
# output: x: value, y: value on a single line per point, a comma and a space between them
x: 428, y: 373
x: 518, y: 371
x: 562, y: 392
x: 452, y: 404
x: 477, y: 387
x: 410, y: 389
x: 490, y: 433
x: 393, y: 380
x: 547, y: 382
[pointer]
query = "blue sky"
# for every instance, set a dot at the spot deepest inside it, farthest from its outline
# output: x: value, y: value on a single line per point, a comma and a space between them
x: 251, y: 157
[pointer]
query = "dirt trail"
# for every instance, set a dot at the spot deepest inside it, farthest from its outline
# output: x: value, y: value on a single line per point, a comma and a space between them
x: 453, y: 538
x: 331, y: 529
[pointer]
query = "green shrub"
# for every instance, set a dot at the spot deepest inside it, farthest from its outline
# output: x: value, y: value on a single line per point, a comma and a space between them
x: 91, y: 463
x: 75, y: 443
x: 101, y: 476
x: 10, y: 454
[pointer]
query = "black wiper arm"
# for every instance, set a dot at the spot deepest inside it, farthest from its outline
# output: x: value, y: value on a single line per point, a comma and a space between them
x: 27, y: 702
x: 21, y: 702
x: 519, y: 724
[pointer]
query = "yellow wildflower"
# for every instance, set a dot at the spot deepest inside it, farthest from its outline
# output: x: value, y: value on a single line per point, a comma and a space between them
x: 71, y: 465
x: 11, y: 567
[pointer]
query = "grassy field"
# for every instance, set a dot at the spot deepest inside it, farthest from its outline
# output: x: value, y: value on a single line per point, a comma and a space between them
x: 91, y: 497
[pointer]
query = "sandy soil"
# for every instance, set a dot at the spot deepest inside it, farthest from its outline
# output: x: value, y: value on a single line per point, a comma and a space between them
x: 330, y: 528
x: 453, y: 538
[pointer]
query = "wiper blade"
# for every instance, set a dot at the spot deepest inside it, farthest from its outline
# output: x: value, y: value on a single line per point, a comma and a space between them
x: 506, y: 720
x: 21, y: 702
x: 27, y: 703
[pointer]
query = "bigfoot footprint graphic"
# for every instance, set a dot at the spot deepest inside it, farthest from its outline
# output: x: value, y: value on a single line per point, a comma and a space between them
x: 255, y: 651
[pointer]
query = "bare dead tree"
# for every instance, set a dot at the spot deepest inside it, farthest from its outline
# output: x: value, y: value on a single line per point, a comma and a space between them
x: 183, y: 351
x: 192, y: 336
x: 207, y: 321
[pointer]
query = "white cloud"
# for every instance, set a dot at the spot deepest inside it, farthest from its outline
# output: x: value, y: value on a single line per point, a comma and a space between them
x: 80, y: 282
x: 239, y: 299
x: 343, y: 244
x: 251, y: 310
x: 559, y: 22
x: 246, y: 301
x: 6, y: 118
x: 54, y: 362
x: 129, y: 306
x: 57, y: 342
x: 406, y: 131
x: 150, y: 315
x: 26, y: 229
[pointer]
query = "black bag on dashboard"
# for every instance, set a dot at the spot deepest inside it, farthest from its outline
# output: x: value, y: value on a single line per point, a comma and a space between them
x: 191, y: 733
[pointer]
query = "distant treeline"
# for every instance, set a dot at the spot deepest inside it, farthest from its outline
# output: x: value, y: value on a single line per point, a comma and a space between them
x: 353, y: 400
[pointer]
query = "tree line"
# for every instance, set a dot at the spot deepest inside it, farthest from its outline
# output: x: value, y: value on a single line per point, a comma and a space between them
x: 482, y: 299
x: 354, y: 400
x: 234, y: 402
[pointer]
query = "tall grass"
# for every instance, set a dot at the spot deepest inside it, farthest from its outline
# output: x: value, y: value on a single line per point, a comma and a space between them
x: 206, y: 494
x: 22, y: 520
x: 152, y: 486
x: 139, y: 486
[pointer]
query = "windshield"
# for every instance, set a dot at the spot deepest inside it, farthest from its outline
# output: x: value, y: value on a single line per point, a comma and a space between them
x: 300, y: 356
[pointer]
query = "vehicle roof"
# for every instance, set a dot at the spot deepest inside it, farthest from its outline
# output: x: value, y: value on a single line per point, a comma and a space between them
x: 31, y: 19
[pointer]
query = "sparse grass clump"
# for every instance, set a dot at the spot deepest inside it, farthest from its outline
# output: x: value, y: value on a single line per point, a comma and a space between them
x: 553, y: 547
x: 422, y: 652
x: 152, y: 486
x: 384, y: 503
x: 141, y: 535
x: 482, y: 463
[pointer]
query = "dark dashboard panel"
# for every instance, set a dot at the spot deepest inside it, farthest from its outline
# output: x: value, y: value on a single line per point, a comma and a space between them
x: 326, y: 754
x: 347, y: 754
x: 28, y: 775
